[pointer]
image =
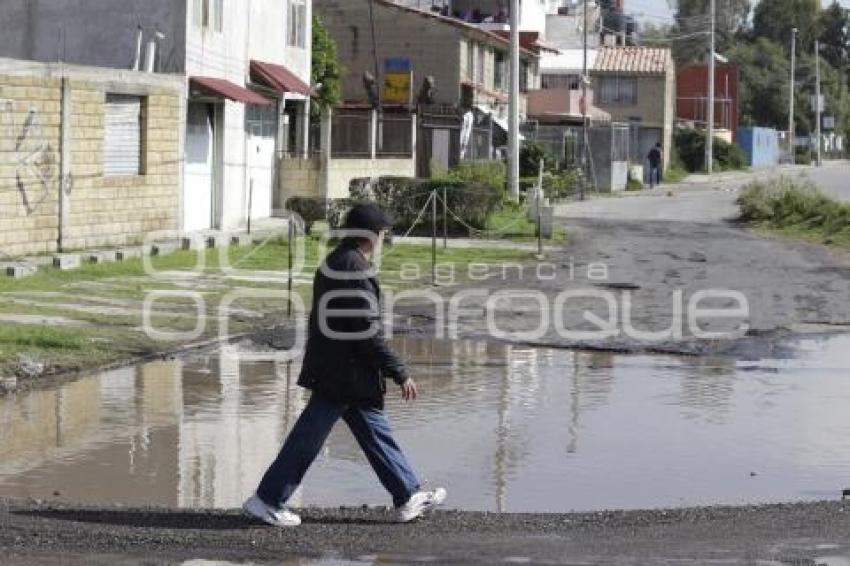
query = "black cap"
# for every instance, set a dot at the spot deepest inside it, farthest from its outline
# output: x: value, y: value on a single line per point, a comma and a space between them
x: 367, y: 217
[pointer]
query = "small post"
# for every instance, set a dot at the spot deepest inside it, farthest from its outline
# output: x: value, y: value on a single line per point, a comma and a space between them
x: 434, y: 237
x: 250, y: 203
x: 445, y: 219
x: 289, y: 243
x: 540, y: 212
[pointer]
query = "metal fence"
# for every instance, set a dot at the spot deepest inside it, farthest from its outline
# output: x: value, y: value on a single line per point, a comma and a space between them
x: 395, y: 135
x: 351, y: 134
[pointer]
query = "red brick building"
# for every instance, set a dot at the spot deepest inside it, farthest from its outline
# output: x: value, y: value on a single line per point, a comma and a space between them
x: 692, y: 95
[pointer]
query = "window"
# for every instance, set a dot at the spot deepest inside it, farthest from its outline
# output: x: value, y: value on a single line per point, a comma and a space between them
x: 218, y: 15
x: 499, y: 72
x: 123, y: 135
x: 552, y: 82
x: 479, y: 66
x: 297, y: 23
x: 208, y: 12
x: 470, y: 60
x: 618, y: 90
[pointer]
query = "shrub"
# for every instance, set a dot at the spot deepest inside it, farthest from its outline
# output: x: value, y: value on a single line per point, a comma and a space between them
x: 634, y: 185
x: 404, y: 198
x: 802, y: 156
x: 690, y: 149
x: 788, y: 204
x: 558, y: 185
x: 491, y: 173
x: 530, y: 155
x: 309, y: 209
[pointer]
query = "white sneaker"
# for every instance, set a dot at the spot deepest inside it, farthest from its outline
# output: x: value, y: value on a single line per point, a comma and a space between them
x: 256, y: 508
x: 419, y: 503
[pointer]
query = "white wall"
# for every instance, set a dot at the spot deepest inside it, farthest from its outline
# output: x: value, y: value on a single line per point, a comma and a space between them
x: 253, y: 29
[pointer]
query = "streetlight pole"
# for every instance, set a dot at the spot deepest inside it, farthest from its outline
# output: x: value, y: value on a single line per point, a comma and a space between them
x: 791, y: 105
x: 584, y: 79
x: 709, y: 143
x: 513, y: 122
x: 818, y: 105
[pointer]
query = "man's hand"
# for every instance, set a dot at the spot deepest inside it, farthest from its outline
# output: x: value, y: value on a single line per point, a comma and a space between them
x: 408, y: 390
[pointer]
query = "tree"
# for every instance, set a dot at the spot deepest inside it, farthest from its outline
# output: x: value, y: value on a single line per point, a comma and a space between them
x: 763, y: 89
x: 833, y: 35
x: 326, y: 71
x: 693, y: 23
x: 774, y: 20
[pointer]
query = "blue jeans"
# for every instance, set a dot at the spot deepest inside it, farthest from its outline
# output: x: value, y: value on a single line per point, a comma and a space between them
x: 654, y: 175
x: 372, y: 431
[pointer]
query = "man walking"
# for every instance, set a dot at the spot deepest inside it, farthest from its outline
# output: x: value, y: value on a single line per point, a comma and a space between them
x: 346, y: 363
x: 656, y: 156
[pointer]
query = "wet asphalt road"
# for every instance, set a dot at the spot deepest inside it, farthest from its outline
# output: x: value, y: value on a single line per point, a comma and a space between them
x: 654, y: 244
x: 810, y: 534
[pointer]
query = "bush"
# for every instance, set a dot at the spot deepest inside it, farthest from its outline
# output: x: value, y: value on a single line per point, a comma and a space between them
x: 690, y: 149
x: 558, y: 185
x: 802, y: 156
x: 309, y: 209
x: 530, y: 155
x: 799, y: 205
x: 486, y: 172
x: 634, y: 185
x: 404, y: 198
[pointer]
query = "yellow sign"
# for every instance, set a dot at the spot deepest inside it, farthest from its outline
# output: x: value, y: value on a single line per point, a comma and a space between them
x: 397, y: 88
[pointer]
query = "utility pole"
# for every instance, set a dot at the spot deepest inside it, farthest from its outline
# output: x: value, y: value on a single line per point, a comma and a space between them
x: 584, y: 79
x: 791, y: 105
x: 513, y: 122
x: 709, y: 143
x: 818, y: 105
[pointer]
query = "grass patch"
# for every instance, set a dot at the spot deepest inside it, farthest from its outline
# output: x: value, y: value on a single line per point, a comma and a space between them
x: 110, y: 336
x: 676, y: 173
x: 511, y: 223
x: 796, y: 209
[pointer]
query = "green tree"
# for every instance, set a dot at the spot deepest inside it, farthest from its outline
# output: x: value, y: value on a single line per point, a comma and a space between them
x: 763, y: 89
x: 833, y: 35
x: 774, y: 20
x: 326, y: 72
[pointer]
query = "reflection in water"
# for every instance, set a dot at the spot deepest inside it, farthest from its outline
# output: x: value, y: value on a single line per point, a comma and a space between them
x: 507, y: 428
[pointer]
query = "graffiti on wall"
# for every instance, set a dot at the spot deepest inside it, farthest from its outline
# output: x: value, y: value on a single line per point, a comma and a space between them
x: 34, y: 157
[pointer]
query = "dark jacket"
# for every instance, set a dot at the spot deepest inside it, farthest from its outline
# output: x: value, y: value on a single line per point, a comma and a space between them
x: 654, y: 156
x: 348, y: 368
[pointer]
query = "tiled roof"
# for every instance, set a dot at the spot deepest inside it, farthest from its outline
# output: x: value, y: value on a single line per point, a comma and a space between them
x: 638, y: 60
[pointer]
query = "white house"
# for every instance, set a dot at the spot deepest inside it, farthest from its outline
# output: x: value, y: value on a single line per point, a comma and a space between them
x: 246, y: 65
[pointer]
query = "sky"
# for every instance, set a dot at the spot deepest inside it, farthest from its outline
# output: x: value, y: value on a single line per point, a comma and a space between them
x: 661, y: 11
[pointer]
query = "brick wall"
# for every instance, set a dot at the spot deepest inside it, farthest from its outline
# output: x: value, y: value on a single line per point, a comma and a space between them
x: 100, y: 211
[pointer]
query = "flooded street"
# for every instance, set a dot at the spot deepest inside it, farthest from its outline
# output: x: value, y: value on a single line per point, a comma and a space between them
x: 506, y: 428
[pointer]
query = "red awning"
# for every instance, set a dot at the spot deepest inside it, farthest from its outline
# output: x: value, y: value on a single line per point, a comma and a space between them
x: 229, y: 90
x: 279, y: 78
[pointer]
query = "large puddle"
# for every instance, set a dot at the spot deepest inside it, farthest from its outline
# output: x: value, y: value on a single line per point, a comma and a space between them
x: 504, y: 428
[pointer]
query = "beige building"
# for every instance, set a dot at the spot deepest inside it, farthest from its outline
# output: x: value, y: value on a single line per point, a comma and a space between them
x: 637, y: 86
x: 89, y: 157
x: 469, y: 65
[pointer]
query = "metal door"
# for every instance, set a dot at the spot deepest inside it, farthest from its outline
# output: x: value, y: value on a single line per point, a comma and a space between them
x: 200, y: 158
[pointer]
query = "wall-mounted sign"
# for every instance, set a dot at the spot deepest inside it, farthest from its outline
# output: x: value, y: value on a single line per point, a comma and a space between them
x: 398, y: 81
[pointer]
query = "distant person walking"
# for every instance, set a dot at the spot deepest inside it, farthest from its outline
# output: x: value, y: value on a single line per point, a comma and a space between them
x: 656, y: 157
x: 346, y: 363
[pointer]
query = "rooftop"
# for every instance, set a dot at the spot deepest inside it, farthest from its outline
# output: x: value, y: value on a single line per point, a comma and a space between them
x: 639, y: 60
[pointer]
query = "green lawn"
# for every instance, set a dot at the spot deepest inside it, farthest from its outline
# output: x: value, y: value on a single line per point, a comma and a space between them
x: 511, y: 222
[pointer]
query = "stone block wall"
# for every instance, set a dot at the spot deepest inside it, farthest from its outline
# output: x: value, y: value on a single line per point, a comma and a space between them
x: 100, y: 211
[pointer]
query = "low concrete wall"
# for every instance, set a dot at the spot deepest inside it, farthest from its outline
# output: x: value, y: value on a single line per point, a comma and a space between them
x: 299, y: 178
x: 54, y: 193
x: 342, y: 171
x: 306, y: 177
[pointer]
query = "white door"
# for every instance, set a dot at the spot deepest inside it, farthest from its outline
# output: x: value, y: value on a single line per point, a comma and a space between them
x: 198, y: 185
x: 440, y: 148
x: 261, y: 130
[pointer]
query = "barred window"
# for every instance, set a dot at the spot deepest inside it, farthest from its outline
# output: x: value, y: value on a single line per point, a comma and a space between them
x: 618, y: 90
x: 297, y: 23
